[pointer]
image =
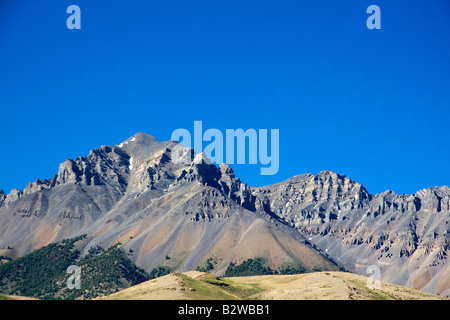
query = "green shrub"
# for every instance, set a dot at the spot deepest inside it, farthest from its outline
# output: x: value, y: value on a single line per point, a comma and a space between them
x: 250, y: 267
x: 42, y: 273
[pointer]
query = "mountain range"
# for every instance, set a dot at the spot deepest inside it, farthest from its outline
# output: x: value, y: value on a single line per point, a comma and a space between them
x: 195, y: 215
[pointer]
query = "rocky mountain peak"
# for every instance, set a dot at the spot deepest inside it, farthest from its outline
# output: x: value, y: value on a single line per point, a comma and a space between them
x: 39, y: 185
x: 400, y: 232
x: 116, y: 188
x: 328, y: 175
x: 435, y: 199
x: 319, y: 198
x: 226, y: 170
x: 14, y: 195
x: 141, y: 145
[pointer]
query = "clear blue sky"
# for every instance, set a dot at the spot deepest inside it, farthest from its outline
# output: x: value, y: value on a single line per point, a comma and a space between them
x: 370, y: 104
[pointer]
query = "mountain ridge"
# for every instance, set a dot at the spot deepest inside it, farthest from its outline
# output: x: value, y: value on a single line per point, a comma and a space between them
x: 166, y: 213
x: 311, y: 286
x: 150, y: 144
x: 408, y: 236
x: 133, y: 192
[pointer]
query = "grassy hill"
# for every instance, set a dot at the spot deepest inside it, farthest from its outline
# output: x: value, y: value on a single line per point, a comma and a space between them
x: 3, y: 297
x: 197, y: 285
x: 110, y: 274
x: 43, y: 274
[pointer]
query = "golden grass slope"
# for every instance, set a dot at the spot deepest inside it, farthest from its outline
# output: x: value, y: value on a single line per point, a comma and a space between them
x: 194, y: 285
x: 12, y: 297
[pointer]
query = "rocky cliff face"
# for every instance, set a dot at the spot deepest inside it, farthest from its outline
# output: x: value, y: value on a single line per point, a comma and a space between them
x: 2, y: 197
x: 182, y: 213
x: 165, y: 212
x: 407, y: 236
x: 315, y: 199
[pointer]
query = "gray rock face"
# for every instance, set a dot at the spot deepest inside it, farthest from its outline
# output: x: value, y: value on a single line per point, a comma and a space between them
x: 107, y: 165
x: 313, y: 198
x: 13, y: 196
x: 2, y: 197
x: 157, y: 208
x: 192, y: 210
x: 407, y: 236
x: 39, y: 185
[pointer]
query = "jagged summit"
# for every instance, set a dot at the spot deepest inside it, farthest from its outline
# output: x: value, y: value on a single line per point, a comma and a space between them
x: 190, y: 211
x: 407, y: 235
x: 134, y: 193
x: 140, y: 138
x: 141, y: 145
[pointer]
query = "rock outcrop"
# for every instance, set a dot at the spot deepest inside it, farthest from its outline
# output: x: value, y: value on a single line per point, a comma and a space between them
x: 141, y: 193
x: 2, y: 197
x: 135, y: 193
x: 13, y: 196
x: 406, y: 235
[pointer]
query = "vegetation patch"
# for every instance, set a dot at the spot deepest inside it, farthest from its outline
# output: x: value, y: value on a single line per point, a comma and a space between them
x: 250, y: 267
x: 43, y: 273
x: 211, y: 287
x: 160, y: 271
x: 105, y: 272
x: 40, y: 273
x: 202, y: 290
x: 208, y: 265
x: 241, y: 290
x: 256, y: 267
x: 292, y: 269
x: 3, y: 297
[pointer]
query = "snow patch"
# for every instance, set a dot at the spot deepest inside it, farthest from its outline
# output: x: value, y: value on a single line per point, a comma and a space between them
x: 131, y: 163
x: 132, y: 139
x: 120, y: 145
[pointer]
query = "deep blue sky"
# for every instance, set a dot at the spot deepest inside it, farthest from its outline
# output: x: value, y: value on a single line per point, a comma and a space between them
x: 370, y: 104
